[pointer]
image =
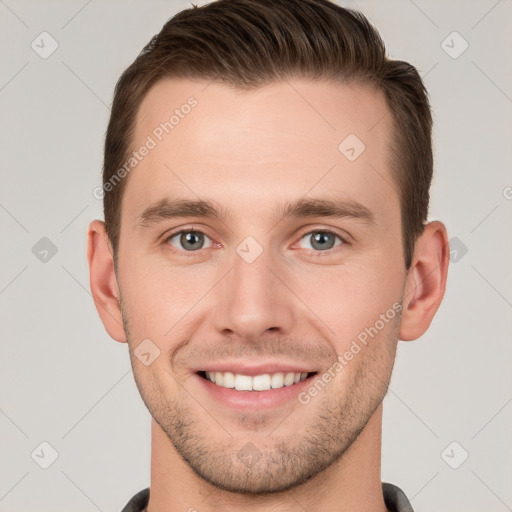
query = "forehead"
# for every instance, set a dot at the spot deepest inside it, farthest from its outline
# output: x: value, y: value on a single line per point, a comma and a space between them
x: 257, y: 147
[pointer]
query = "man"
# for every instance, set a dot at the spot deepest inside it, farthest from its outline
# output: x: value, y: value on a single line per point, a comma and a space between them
x: 278, y: 138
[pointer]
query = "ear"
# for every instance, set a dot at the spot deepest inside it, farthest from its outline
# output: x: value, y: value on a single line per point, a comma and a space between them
x: 426, y: 281
x: 103, y: 281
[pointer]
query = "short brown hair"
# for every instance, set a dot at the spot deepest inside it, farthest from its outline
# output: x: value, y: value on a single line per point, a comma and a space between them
x: 251, y: 43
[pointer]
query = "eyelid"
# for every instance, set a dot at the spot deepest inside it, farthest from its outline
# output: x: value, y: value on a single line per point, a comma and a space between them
x: 187, y: 229
x: 344, y: 238
x: 343, y: 235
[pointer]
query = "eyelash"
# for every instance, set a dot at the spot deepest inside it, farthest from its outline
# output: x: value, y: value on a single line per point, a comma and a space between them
x: 310, y: 251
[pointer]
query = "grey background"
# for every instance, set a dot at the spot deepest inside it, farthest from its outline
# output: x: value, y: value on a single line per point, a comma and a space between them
x: 65, y: 382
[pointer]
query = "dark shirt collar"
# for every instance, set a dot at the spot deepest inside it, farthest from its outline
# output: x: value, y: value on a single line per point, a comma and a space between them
x: 394, y: 498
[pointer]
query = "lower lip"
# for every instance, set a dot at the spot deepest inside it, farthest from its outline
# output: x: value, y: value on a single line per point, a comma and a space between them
x: 255, y: 400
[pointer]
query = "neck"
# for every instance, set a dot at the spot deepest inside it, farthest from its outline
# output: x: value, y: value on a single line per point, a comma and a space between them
x: 351, y: 483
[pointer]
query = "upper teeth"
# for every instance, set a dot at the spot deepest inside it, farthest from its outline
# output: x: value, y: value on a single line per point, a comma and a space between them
x: 256, y: 383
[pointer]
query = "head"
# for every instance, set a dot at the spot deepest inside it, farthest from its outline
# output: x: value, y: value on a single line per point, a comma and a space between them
x: 284, y: 144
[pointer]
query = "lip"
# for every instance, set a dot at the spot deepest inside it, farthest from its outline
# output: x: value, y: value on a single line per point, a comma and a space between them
x: 247, y: 401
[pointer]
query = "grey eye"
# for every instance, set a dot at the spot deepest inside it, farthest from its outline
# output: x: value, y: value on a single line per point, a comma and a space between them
x: 321, y: 240
x: 189, y: 240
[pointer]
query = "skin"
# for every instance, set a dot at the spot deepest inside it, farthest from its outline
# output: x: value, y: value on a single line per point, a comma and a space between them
x: 250, y: 152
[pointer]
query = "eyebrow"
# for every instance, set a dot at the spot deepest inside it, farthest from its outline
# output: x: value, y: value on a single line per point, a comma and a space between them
x: 300, y: 208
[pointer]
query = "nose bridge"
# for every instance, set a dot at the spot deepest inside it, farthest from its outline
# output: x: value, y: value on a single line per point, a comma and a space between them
x: 252, y: 299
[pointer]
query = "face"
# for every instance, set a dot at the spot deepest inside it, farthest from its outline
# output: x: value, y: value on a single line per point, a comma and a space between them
x: 290, y: 257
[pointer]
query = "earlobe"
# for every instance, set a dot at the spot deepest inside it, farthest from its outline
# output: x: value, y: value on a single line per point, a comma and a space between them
x: 426, y: 281
x: 103, y: 281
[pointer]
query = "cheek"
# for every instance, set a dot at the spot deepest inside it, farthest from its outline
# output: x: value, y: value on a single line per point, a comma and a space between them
x: 366, y: 357
x: 349, y: 298
x: 159, y: 298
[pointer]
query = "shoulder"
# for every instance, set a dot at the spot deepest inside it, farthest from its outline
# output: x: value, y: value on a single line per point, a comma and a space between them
x: 138, y: 503
x: 395, y: 499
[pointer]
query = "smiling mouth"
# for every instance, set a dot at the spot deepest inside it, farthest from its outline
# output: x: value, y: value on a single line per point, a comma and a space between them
x: 263, y: 382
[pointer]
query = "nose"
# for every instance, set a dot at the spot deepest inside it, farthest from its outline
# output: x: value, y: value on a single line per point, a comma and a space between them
x: 254, y: 299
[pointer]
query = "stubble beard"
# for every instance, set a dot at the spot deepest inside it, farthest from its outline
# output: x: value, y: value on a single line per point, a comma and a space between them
x: 279, y: 458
